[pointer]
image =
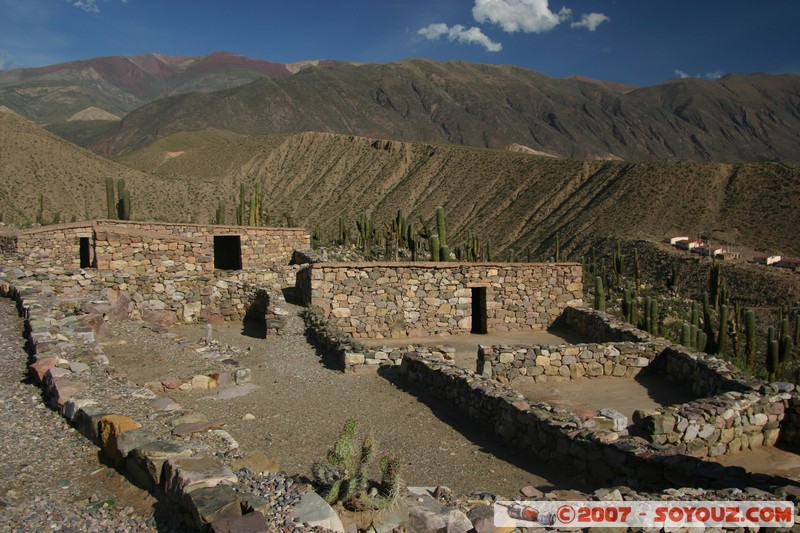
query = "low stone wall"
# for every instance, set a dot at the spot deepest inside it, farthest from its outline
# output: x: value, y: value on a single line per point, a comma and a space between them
x: 381, y: 300
x: 566, y: 361
x: 724, y: 424
x: 582, y: 444
x: 150, y: 247
x: 165, y: 298
x: 705, y: 374
x: 602, y: 327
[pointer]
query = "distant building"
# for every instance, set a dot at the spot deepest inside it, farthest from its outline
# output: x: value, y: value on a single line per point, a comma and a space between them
x: 728, y: 256
x: 686, y: 244
x: 673, y: 240
x: 766, y: 259
x: 710, y: 251
x: 789, y: 262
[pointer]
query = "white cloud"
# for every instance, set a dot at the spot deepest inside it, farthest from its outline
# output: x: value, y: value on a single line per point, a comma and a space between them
x: 681, y: 74
x: 715, y: 75
x: 90, y: 6
x: 529, y: 16
x: 461, y: 34
x: 590, y: 21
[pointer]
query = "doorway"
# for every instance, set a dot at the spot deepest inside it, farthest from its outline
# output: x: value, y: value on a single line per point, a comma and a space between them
x: 479, y: 315
x: 227, y: 252
x: 85, y: 246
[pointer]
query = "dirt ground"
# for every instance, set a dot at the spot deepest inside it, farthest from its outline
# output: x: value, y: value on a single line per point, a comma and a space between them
x: 623, y: 394
x: 301, y: 404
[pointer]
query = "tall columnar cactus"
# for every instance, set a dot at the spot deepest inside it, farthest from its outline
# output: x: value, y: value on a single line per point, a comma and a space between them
x: 257, y: 208
x: 686, y: 338
x: 441, y: 226
x: 111, y: 202
x: 636, y: 279
x: 618, y: 264
x: 773, y: 357
x: 784, y: 331
x: 241, y: 210
x: 366, y: 232
x: 444, y: 253
x: 628, y: 303
x: 220, y: 218
x: 750, y: 338
x: 784, y: 349
x: 489, y: 250
x: 653, y: 317
x: 708, y: 326
x: 435, y: 248
x: 797, y: 330
x: 251, y: 219
x: 722, y: 336
x: 695, y: 315
x: 715, y: 283
x: 599, y: 294
x: 411, y: 239
x: 700, y: 340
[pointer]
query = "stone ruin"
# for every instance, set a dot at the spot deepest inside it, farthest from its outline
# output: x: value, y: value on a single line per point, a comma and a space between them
x: 174, y: 272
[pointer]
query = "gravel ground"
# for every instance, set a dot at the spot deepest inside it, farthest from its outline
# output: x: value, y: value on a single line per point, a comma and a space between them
x: 50, y: 475
x: 300, y: 405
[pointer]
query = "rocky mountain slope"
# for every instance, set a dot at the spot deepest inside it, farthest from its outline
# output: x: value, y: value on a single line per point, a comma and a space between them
x: 735, y: 119
x: 119, y: 84
x: 517, y: 200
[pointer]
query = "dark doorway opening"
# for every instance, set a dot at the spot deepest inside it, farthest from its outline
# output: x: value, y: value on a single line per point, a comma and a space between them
x: 227, y: 252
x: 86, y: 252
x: 479, y: 315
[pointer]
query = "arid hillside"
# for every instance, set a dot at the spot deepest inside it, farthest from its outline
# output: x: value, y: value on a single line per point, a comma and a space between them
x: 71, y: 180
x: 738, y: 118
x: 517, y: 200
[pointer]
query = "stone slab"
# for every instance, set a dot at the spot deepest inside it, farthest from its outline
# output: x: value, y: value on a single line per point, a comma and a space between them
x: 185, y: 474
x: 145, y: 464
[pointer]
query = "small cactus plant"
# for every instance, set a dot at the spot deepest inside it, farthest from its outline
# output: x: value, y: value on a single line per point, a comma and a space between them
x: 343, y: 476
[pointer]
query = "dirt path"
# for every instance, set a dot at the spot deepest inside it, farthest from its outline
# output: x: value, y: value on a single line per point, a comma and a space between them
x: 301, y: 404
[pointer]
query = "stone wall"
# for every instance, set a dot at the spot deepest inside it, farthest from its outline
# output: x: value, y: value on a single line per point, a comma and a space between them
x: 602, y: 327
x: 166, y: 297
x: 381, y: 300
x: 594, y: 450
x: 566, y: 361
x: 156, y: 247
x: 724, y: 424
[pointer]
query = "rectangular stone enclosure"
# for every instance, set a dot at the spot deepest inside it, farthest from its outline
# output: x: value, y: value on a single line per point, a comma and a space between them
x: 383, y: 300
x: 156, y: 248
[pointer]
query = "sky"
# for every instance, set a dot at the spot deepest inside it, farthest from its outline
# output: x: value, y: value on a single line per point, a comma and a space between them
x: 639, y: 42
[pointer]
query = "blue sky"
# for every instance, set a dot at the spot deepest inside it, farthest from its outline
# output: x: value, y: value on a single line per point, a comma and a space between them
x: 633, y: 41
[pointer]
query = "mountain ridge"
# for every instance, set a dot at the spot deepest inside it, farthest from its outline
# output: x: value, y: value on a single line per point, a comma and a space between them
x: 737, y: 118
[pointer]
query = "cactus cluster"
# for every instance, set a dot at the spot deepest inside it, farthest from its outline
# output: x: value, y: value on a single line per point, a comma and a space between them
x: 440, y: 251
x: 343, y: 476
x: 249, y: 210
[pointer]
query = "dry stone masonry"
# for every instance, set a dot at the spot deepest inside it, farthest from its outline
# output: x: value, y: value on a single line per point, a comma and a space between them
x: 390, y: 300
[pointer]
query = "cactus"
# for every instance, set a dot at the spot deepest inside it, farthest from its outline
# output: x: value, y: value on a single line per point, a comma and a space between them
x: 784, y: 331
x: 366, y: 233
x: 441, y: 227
x: 722, y: 338
x: 797, y: 330
x: 700, y: 341
x: 343, y: 477
x: 627, y: 303
x: 715, y: 282
x: 636, y: 279
x: 110, y: 199
x: 257, y: 207
x: 773, y: 361
x: 686, y: 331
x: 653, y: 317
x: 618, y: 265
x: 785, y: 349
x: 220, y: 219
x: 251, y: 219
x: 512, y: 256
x: 599, y: 295
x: 435, y: 248
x: 708, y: 326
x: 750, y: 338
x: 411, y: 238
x: 125, y: 203
x: 444, y: 253
x: 695, y: 315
